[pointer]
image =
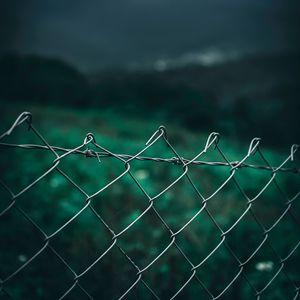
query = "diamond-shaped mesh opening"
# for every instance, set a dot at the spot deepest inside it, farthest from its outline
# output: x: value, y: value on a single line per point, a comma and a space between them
x: 61, y: 197
x: 146, y: 240
x: 262, y: 267
x: 82, y: 242
x: 117, y: 277
x: 29, y: 283
x: 129, y: 203
x: 169, y: 273
x: 252, y: 236
x: 199, y: 239
x: 185, y: 203
x: 269, y: 207
x: 149, y: 175
x: 288, y: 229
x: 280, y: 288
x: 15, y: 232
x: 219, y: 271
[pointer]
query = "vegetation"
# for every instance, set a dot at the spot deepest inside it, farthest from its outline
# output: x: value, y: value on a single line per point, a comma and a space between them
x: 116, y: 109
x: 241, y: 100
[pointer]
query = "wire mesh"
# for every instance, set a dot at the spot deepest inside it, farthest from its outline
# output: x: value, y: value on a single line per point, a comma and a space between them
x: 197, y: 274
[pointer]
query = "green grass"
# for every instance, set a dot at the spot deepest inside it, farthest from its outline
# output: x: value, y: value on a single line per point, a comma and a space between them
x: 54, y: 200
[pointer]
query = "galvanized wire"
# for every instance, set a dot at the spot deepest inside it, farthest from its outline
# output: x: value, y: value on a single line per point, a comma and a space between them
x: 160, y: 134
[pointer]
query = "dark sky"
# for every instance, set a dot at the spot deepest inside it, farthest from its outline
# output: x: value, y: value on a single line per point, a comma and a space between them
x: 96, y: 34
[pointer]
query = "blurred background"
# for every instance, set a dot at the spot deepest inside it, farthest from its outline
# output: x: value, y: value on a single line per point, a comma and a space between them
x: 120, y: 69
x: 207, y: 65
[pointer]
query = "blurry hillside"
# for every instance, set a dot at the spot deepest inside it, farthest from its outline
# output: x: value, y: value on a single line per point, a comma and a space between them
x: 242, y: 99
x: 253, y: 96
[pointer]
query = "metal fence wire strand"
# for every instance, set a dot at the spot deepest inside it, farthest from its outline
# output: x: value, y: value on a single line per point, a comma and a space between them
x: 160, y: 135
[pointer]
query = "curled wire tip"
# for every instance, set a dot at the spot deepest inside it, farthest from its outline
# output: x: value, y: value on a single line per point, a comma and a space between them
x: 151, y: 139
x: 254, y: 146
x: 294, y: 149
x: 161, y: 131
x: 90, y: 138
x: 214, y: 137
x: 24, y: 116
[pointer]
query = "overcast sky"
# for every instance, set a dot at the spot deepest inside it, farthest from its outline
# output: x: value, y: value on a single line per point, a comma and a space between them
x: 96, y: 34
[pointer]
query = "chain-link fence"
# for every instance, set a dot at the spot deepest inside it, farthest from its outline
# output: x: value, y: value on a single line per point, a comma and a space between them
x: 199, y: 234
